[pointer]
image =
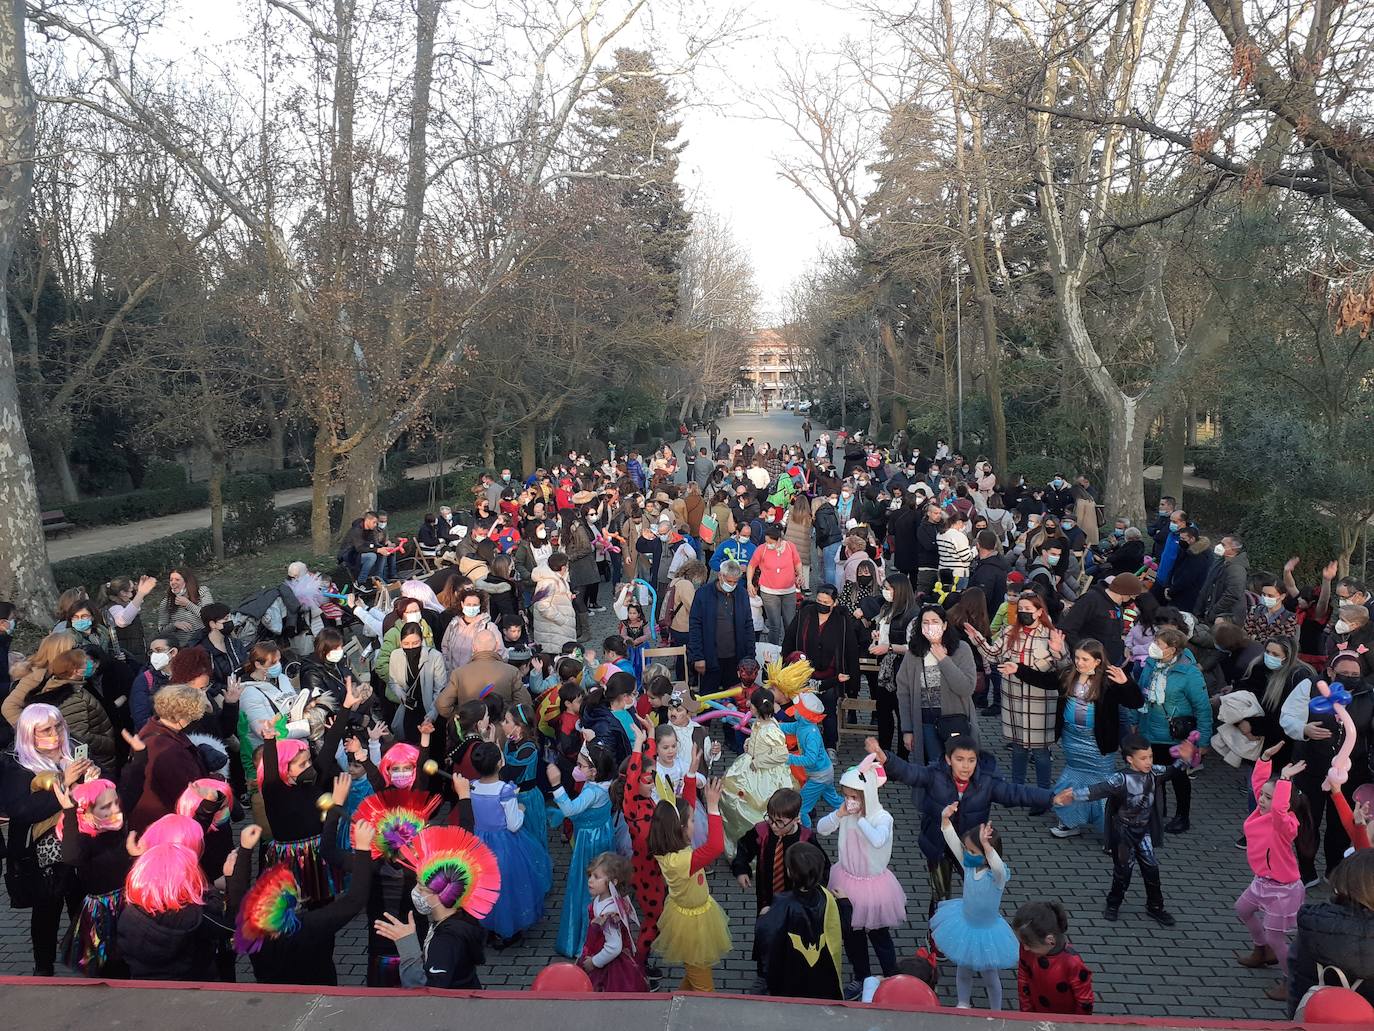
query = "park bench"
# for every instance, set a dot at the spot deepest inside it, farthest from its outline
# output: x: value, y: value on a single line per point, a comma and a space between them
x: 55, y: 522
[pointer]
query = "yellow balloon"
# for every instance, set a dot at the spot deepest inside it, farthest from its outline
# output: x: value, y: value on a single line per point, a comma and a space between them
x: 324, y: 803
x: 431, y: 767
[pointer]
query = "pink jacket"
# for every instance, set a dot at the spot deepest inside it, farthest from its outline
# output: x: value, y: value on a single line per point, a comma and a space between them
x: 1269, y: 836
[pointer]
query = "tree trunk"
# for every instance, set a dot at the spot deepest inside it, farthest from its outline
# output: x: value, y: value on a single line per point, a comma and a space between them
x: 276, y: 430
x: 1175, y: 438
x: 527, y: 446
x: 1192, y: 423
x: 899, y: 414
x: 25, y: 576
x: 992, y: 381
x: 56, y: 447
x: 321, y: 533
x: 218, y: 462
x: 360, y: 478
x: 488, y: 448
x: 1125, y: 486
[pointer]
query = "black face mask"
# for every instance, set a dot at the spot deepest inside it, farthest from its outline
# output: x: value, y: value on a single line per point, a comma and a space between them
x: 1025, y: 618
x: 413, y: 653
x: 866, y: 581
x: 823, y: 608
x: 307, y: 777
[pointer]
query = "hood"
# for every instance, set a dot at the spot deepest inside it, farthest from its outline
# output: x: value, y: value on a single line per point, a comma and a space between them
x: 543, y: 574
x: 867, y: 777
x: 1202, y: 546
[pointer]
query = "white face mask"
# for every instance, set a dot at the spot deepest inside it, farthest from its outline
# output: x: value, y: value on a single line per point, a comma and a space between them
x: 160, y: 660
x: 1156, y: 652
x: 1219, y: 550
x: 887, y: 594
x: 1268, y: 602
x: 1342, y: 627
x: 335, y: 656
x: 932, y: 632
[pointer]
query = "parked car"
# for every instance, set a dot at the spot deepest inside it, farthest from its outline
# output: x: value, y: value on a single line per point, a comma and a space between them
x: 803, y: 407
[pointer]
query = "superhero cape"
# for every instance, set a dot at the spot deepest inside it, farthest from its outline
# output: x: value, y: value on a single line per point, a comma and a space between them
x: 800, y: 942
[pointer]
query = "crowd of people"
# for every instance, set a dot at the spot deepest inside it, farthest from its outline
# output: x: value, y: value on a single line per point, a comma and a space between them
x: 406, y: 734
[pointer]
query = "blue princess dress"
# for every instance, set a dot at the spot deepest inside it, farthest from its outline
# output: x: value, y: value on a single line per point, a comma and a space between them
x: 522, y: 770
x: 970, y: 930
x: 496, y: 820
x: 593, y: 834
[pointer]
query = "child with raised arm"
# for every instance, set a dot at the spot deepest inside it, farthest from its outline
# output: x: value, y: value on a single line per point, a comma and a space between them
x: 1135, y: 804
x: 971, y: 930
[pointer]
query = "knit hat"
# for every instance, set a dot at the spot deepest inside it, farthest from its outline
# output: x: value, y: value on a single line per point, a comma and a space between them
x: 1126, y: 584
x: 810, y: 707
x: 1016, y: 578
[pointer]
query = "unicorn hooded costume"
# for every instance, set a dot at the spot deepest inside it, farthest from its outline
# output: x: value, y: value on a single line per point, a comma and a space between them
x: 862, y: 873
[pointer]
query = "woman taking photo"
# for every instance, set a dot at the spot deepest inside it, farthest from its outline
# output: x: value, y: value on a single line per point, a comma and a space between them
x: 889, y: 648
x: 178, y: 613
x: 1029, y: 713
x: 63, y: 683
x: 935, y: 686
x: 1175, y: 706
x: 33, y: 868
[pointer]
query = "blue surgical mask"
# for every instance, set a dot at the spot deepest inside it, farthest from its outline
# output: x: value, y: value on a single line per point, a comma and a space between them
x: 1272, y: 661
x: 728, y: 588
x: 274, y: 670
x: 90, y: 668
x: 973, y: 862
x: 81, y: 625
x: 1118, y: 533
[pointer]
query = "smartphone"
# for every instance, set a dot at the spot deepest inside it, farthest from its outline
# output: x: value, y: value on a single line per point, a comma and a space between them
x: 80, y: 752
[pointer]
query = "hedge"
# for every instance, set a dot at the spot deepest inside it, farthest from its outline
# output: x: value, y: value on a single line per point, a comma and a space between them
x: 286, y: 479
x: 136, y: 505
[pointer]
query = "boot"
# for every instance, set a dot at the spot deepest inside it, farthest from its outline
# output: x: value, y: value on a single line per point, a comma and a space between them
x: 1278, y: 991
x: 1259, y: 956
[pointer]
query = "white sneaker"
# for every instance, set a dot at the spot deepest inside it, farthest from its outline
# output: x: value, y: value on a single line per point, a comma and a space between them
x: 1061, y: 831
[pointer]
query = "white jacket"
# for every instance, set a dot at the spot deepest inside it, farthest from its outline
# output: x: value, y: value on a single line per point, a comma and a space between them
x: 555, y: 620
x: 1228, y: 741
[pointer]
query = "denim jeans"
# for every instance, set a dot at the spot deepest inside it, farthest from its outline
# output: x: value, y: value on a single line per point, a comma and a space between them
x: 368, y: 566
x: 778, y: 610
x: 829, y: 573
x: 930, y: 734
x: 1020, y: 759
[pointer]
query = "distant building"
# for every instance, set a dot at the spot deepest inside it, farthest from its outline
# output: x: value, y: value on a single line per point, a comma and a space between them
x: 769, y: 372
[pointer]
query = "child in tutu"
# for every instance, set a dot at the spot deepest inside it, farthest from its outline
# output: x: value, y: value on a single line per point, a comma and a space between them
x: 761, y: 770
x: 970, y: 930
x: 499, y: 818
x: 693, y: 930
x: 608, y: 955
x: 861, y: 875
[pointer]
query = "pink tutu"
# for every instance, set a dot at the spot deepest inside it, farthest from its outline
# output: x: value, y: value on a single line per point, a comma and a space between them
x: 878, y: 901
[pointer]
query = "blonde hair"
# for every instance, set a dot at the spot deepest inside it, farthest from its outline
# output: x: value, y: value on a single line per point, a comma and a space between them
x: 180, y: 703
x: 51, y: 647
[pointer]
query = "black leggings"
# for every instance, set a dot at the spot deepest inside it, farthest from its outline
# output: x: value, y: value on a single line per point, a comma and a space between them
x: 44, y: 920
x: 856, y: 949
x: 888, y: 720
x: 1183, y: 787
x: 589, y: 594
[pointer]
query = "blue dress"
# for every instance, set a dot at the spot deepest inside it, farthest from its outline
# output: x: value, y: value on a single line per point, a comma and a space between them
x: 1084, y: 765
x: 593, y: 834
x: 522, y: 762
x: 971, y: 931
x: 521, y: 902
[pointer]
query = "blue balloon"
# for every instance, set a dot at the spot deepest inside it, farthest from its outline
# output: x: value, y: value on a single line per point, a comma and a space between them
x: 1327, y: 703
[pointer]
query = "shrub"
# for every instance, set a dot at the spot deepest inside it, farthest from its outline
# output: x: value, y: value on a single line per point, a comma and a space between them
x: 1039, y: 469
x: 191, y: 547
x: 1206, y: 461
x: 136, y: 505
x: 1282, y: 526
x: 160, y: 475
x: 249, y: 511
x: 285, y: 479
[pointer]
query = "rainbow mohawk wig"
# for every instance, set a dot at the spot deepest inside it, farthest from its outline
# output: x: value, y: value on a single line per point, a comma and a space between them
x: 398, y: 815
x: 270, y: 909
x: 456, y: 866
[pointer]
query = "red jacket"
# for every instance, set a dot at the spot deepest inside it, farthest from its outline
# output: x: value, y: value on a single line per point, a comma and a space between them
x: 1057, y: 983
x: 171, y: 763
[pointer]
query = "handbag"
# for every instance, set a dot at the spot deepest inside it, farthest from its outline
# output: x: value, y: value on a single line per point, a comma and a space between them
x: 955, y: 725
x: 1181, y: 726
x: 708, y: 529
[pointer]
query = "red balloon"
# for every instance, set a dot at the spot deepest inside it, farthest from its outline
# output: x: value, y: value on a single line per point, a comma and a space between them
x: 1338, y: 1006
x: 562, y: 977
x: 905, y: 990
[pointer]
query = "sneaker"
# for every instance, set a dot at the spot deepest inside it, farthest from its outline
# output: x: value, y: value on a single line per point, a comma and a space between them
x: 1160, y: 916
x: 853, y: 991
x: 1066, y: 832
x: 596, y: 608
x: 1178, y: 825
x: 1111, y: 911
x: 1240, y: 842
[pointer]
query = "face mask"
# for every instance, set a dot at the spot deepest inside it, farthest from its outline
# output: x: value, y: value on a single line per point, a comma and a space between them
x: 932, y: 633
x: 541, y: 534
x: 1068, y: 524
x: 846, y: 494
x: 444, y: 513
x: 306, y: 777
x: 90, y: 668
x: 402, y: 780
x: 887, y: 594
x: 505, y: 477
x: 851, y: 805
x: 1268, y: 602
x: 1025, y: 618
x: 1156, y: 652
x: 579, y: 775
x: 81, y: 625
x: 1058, y: 483
x: 744, y: 540
x: 1032, y: 522
x: 1051, y: 560
x: 381, y: 526
x: 1118, y: 533
x: 1219, y: 550
x: 591, y: 517
x: 822, y: 608
x: 1272, y: 661
x: 726, y: 586
x: 159, y: 661
x: 1174, y: 528
x: 335, y: 656
x: 866, y: 581
x: 420, y: 901
x: 1163, y: 512
x: 1342, y: 627
x: 472, y: 610
x: 274, y: 670
x: 973, y: 862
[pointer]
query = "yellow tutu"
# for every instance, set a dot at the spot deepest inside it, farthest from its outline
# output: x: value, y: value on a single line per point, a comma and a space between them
x: 696, y: 937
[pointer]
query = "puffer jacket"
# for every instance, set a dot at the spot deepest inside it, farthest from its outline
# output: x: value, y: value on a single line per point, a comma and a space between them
x: 174, y: 946
x: 87, y: 721
x: 1331, y: 935
x: 555, y: 620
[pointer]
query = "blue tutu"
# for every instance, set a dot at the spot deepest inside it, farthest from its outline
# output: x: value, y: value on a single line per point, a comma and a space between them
x: 971, y: 931
x: 521, y: 902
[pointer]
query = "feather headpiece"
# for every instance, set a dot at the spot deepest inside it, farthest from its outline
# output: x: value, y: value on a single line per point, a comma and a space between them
x: 456, y: 866
x: 270, y: 909
x: 398, y: 815
x: 791, y: 679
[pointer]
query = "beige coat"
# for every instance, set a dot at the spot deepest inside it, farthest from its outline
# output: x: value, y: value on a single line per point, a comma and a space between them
x: 485, y: 671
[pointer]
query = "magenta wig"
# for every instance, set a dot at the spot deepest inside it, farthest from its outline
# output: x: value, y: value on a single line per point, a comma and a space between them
x: 86, y: 795
x: 287, y: 750
x: 191, y: 799
x: 165, y: 879
x: 35, y: 715
x: 398, y: 755
x: 175, y: 829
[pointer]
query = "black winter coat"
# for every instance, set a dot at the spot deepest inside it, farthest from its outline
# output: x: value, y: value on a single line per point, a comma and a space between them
x: 176, y: 946
x: 1331, y: 934
x: 990, y: 574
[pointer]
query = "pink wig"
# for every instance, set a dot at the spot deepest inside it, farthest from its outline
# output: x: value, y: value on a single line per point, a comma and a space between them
x: 398, y: 755
x: 36, y: 715
x: 86, y: 795
x: 287, y: 750
x: 165, y: 879
x: 191, y: 800
x: 174, y: 829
